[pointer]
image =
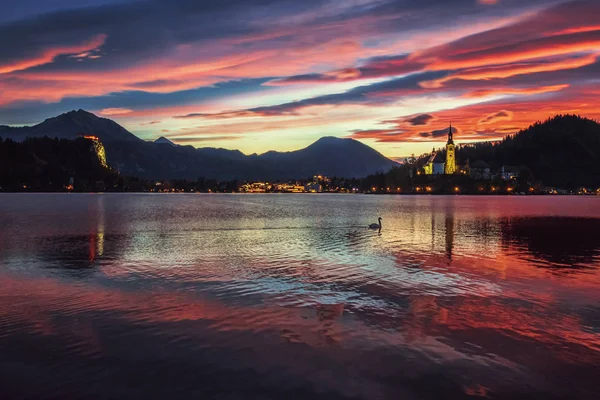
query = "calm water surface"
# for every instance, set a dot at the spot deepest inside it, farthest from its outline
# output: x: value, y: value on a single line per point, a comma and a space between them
x: 291, y: 297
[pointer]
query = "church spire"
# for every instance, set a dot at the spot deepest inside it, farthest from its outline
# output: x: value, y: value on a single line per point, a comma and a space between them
x: 450, y: 164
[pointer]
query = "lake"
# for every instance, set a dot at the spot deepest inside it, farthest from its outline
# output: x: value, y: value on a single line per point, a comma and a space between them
x: 231, y: 296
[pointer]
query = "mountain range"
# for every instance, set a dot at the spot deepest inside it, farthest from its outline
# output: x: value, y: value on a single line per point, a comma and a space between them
x: 163, y: 159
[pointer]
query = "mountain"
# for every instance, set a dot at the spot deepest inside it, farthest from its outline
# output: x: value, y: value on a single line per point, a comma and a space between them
x: 333, y: 156
x: 69, y: 125
x: 163, y: 159
x: 563, y: 151
x: 164, y: 140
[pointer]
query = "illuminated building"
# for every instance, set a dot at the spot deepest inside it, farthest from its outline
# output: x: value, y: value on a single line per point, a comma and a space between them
x: 436, y: 165
x: 296, y: 189
x: 320, y: 178
x: 98, y: 148
x: 509, y: 173
x: 313, y: 187
x: 450, y: 165
x: 289, y: 188
x: 256, y: 187
x: 71, y: 184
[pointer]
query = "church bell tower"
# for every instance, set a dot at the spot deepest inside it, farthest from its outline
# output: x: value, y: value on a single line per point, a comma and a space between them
x: 450, y: 165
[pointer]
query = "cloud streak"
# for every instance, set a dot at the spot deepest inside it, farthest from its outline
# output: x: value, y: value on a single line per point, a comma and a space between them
x: 48, y: 55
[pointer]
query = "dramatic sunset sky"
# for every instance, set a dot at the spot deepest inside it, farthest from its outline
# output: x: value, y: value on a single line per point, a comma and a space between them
x: 265, y: 74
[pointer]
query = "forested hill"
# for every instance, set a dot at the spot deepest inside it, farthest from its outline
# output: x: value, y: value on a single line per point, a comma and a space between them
x: 44, y: 164
x: 563, y: 151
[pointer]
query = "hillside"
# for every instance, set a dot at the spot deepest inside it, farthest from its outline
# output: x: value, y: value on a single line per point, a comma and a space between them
x: 163, y: 159
x: 69, y: 125
x: 563, y: 151
x: 44, y: 164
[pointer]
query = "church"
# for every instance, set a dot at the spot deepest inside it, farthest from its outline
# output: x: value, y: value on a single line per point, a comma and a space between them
x: 436, y: 165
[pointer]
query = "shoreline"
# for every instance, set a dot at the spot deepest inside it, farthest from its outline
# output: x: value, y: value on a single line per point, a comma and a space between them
x: 308, y: 193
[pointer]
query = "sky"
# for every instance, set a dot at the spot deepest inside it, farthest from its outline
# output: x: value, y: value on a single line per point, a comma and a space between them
x: 257, y: 75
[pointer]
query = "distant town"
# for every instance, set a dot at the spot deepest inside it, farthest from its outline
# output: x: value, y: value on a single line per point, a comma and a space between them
x: 501, y: 184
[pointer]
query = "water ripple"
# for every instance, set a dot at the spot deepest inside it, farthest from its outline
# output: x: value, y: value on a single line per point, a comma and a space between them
x: 292, y: 296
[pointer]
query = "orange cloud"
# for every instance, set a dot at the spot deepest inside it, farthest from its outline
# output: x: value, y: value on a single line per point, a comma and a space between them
x: 201, y: 139
x: 503, y: 115
x: 80, y: 55
x: 167, y: 112
x: 579, y: 29
x: 49, y: 55
x: 115, y: 111
x: 517, y: 52
x: 509, y: 70
x: 346, y: 73
x: 513, y: 91
x: 16, y: 89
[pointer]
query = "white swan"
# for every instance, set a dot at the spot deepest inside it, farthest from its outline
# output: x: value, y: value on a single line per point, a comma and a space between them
x: 376, y: 226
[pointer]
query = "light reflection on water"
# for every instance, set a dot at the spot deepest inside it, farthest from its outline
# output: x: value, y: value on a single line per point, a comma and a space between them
x: 275, y: 296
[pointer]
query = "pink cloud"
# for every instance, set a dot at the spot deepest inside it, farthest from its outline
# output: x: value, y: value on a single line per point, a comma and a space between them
x: 537, y: 48
x: 509, y: 70
x: 48, y: 55
x: 514, y: 91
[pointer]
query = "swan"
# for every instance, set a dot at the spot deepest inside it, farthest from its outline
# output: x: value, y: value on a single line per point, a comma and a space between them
x: 376, y: 226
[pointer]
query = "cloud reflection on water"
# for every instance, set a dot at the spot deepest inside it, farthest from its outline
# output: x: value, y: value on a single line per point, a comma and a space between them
x: 451, y: 289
